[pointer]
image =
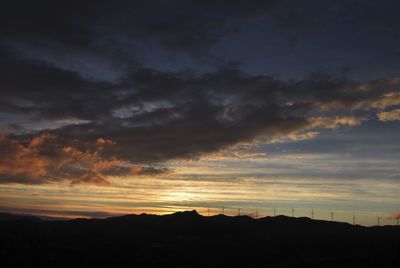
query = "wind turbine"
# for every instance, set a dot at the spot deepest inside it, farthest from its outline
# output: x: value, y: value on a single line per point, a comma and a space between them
x: 239, y: 211
x: 379, y: 221
x: 332, y: 213
x: 312, y: 214
x: 274, y: 212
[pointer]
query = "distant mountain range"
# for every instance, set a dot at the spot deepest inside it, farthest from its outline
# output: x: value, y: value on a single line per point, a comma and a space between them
x: 187, y: 239
x: 11, y: 217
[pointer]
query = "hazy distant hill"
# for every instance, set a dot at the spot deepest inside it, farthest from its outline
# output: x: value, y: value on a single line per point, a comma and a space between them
x: 187, y: 239
x: 11, y: 217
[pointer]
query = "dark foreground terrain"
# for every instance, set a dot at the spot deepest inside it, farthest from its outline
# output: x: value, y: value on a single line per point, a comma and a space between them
x: 187, y: 239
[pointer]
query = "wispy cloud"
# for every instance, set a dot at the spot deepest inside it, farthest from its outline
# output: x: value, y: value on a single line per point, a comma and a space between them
x: 392, y: 115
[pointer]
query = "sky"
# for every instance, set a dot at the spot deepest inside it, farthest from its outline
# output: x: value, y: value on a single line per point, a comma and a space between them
x: 120, y: 107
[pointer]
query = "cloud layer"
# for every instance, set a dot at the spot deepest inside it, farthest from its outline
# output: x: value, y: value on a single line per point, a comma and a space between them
x: 81, y: 106
x: 150, y: 117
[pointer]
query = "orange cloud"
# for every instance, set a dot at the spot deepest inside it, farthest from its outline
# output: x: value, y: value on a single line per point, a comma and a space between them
x: 102, y: 141
x: 136, y: 170
x: 301, y: 136
x: 334, y: 122
x: 91, y: 178
x: 390, y: 115
x: 386, y: 100
x: 107, y: 165
x: 45, y: 158
x: 26, y: 159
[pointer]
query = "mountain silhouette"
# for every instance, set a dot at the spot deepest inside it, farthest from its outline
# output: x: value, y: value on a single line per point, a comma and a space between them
x: 187, y: 239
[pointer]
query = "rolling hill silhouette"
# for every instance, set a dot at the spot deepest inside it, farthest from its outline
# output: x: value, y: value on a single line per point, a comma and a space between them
x: 187, y: 239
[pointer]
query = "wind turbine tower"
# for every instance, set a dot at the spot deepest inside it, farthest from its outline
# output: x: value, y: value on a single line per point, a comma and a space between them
x: 332, y: 214
x: 312, y: 214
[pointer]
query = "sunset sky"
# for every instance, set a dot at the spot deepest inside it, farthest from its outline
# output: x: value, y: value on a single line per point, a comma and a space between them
x: 156, y: 106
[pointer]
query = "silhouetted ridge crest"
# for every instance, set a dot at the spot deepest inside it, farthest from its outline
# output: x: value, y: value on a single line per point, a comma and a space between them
x: 187, y: 239
x: 188, y: 214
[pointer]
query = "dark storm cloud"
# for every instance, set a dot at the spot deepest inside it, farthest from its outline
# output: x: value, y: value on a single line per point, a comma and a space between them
x: 42, y: 90
x: 191, y: 26
x: 148, y: 116
x: 155, y: 116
